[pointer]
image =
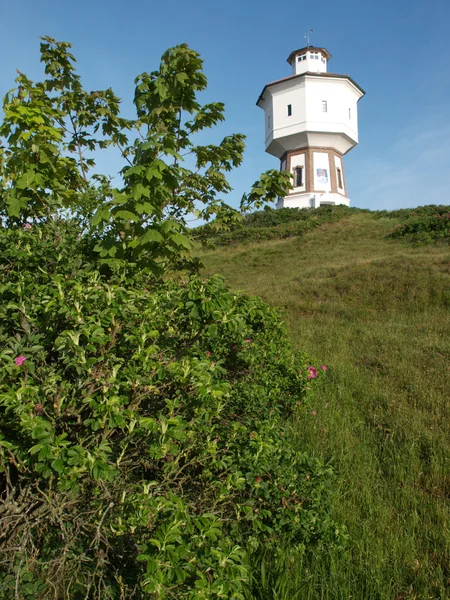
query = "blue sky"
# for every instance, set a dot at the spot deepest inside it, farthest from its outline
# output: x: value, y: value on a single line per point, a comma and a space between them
x: 396, y: 50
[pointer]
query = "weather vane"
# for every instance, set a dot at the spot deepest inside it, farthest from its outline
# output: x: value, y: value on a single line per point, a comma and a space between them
x: 307, y: 36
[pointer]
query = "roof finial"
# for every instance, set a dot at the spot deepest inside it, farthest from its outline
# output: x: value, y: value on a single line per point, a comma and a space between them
x: 308, y: 34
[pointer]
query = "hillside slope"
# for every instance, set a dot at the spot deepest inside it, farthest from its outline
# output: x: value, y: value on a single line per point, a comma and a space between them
x: 375, y: 311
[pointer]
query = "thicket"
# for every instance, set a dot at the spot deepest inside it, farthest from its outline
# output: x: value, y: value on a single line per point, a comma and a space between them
x: 272, y: 224
x: 422, y: 225
x: 145, y: 445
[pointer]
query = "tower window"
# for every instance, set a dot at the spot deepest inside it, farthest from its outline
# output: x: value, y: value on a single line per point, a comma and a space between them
x: 339, y: 178
x: 289, y: 110
x: 324, y: 106
x: 298, y: 175
x: 304, y: 57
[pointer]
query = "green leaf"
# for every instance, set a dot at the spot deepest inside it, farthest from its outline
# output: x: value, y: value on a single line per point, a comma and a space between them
x: 181, y: 77
x: 102, y: 214
x: 144, y: 207
x: 181, y: 240
x: 126, y: 215
x: 15, y: 205
x: 139, y: 190
x: 153, y: 172
x: 58, y: 465
x: 151, y: 235
x: 135, y: 170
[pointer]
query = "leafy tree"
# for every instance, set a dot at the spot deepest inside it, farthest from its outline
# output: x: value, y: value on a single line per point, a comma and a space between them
x: 145, y: 446
x: 48, y: 128
x: 52, y: 128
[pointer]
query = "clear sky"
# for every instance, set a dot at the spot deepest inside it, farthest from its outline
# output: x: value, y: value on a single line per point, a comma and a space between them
x: 396, y: 50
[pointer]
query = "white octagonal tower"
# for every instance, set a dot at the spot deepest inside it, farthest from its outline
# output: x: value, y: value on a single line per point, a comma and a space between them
x: 311, y: 121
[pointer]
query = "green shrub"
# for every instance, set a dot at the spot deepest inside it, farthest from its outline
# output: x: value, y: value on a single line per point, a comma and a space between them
x: 271, y: 224
x: 408, y: 213
x: 145, y: 442
x: 426, y: 225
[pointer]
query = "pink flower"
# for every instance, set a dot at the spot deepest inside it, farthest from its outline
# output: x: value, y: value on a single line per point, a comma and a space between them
x: 249, y: 341
x: 27, y: 226
x: 312, y: 373
x: 323, y: 367
x: 208, y: 353
x: 314, y: 413
x: 20, y: 360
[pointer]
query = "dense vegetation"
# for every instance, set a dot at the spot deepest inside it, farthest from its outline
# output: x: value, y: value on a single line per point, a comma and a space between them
x: 376, y: 310
x: 146, y: 423
x: 422, y: 225
x: 272, y: 224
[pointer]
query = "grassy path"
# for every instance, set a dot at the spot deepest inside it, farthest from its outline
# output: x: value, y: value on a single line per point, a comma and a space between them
x: 376, y: 312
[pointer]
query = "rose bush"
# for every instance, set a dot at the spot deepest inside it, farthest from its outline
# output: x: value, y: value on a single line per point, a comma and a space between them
x: 145, y: 440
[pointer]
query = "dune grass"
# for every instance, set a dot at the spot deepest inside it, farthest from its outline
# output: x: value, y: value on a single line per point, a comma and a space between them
x: 376, y: 312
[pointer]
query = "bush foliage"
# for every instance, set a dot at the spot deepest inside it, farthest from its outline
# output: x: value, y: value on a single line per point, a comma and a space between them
x: 421, y: 225
x: 425, y: 225
x: 145, y: 432
x: 145, y: 443
x: 274, y: 224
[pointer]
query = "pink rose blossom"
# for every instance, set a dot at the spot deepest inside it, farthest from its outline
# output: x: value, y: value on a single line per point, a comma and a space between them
x: 312, y: 373
x: 20, y: 360
x: 27, y: 226
x: 314, y: 413
x: 323, y: 367
x: 208, y: 353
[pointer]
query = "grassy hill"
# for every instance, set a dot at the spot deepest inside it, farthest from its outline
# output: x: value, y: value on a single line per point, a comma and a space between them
x: 375, y: 310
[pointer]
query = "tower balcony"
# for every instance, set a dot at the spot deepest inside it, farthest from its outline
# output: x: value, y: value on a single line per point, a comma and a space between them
x: 277, y: 145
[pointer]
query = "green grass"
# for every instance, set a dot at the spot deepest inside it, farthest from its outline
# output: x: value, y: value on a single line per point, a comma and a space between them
x: 375, y: 311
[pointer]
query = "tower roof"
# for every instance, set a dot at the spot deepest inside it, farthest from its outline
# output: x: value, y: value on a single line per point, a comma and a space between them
x: 310, y: 74
x: 294, y: 53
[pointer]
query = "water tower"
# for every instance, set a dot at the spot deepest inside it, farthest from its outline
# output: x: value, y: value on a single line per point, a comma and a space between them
x: 311, y: 121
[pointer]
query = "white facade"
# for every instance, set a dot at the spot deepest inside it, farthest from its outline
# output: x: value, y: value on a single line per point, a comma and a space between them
x: 310, y: 200
x: 313, y: 60
x: 308, y: 111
